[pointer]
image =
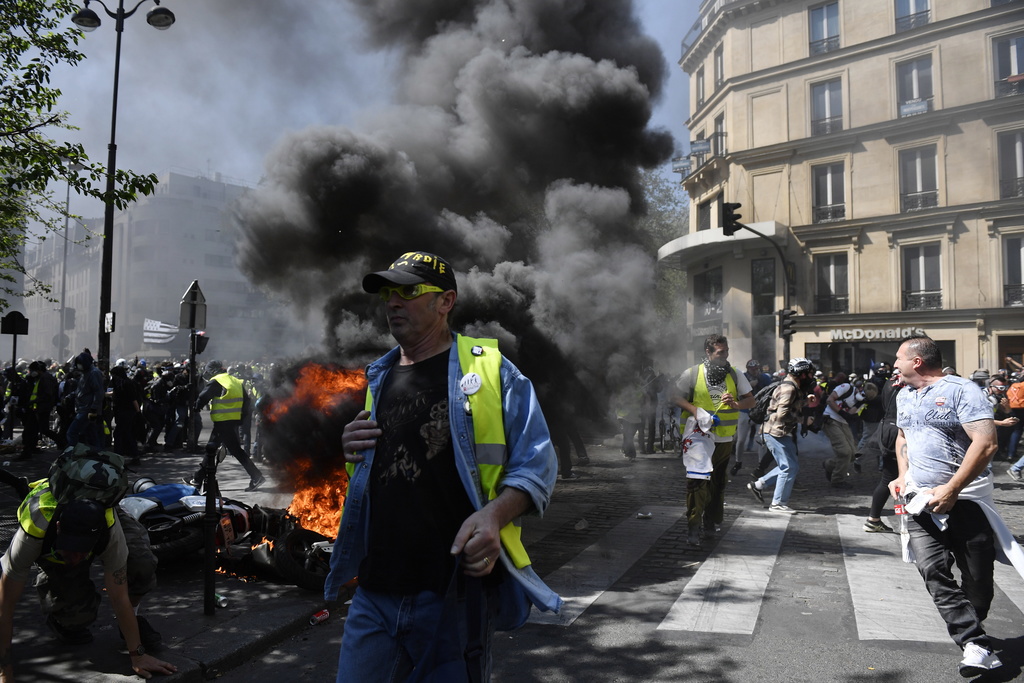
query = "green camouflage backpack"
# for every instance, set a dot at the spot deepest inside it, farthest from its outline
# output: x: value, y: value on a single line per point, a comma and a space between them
x: 81, y: 472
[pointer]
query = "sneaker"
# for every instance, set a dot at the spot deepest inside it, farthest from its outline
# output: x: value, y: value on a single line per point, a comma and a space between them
x: 977, y: 660
x: 71, y: 636
x: 150, y: 637
x: 584, y: 460
x: 756, y: 491
x: 878, y: 527
x: 693, y: 540
x: 779, y: 507
x: 1015, y: 474
x: 735, y: 468
x: 256, y: 483
x: 569, y: 477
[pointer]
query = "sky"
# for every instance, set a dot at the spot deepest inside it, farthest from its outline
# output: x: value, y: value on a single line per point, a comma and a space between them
x: 216, y: 91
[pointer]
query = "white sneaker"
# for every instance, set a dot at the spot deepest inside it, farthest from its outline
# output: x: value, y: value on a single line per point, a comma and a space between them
x: 779, y: 507
x: 977, y: 660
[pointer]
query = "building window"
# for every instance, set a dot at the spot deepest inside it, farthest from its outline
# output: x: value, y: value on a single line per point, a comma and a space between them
x: 762, y: 287
x: 824, y: 28
x: 914, y: 86
x: 719, y: 67
x: 707, y: 304
x: 922, y: 289
x: 832, y: 284
x: 919, y: 187
x: 829, y: 200
x: 826, y: 107
x: 699, y: 150
x: 1013, y: 271
x: 1011, y: 165
x: 1009, y: 57
x: 718, y: 138
x: 704, y: 215
x: 911, y: 13
x: 700, y: 87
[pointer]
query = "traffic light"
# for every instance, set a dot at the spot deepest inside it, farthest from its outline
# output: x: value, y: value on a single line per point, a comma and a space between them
x: 731, y: 219
x: 786, y: 322
x: 202, y: 339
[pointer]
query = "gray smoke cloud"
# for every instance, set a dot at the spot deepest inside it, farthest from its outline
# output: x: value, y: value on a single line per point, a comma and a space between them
x: 513, y: 150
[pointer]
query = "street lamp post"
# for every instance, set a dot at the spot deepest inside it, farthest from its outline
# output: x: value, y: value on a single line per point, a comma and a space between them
x: 73, y: 167
x: 160, y: 18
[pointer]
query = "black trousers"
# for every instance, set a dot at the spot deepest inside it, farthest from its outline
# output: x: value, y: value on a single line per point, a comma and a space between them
x: 225, y: 433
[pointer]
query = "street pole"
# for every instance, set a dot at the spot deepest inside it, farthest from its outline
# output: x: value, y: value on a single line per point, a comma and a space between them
x: 74, y: 166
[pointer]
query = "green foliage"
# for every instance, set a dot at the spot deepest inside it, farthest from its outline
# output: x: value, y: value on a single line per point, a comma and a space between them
x: 32, y: 42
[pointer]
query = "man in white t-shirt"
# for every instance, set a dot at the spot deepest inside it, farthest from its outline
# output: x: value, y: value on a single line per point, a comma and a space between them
x: 718, y: 388
x: 840, y: 404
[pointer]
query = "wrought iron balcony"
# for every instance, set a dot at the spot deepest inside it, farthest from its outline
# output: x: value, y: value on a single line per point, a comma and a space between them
x: 829, y: 213
x: 825, y: 126
x: 1008, y: 87
x: 1011, y: 187
x: 912, y: 21
x: 829, y: 303
x: 916, y: 201
x: 922, y: 301
x: 1013, y: 295
x: 820, y: 47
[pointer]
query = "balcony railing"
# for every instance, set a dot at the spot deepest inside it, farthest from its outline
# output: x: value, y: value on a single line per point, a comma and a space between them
x: 829, y: 303
x: 1011, y: 187
x: 820, y: 47
x: 916, y: 201
x: 1013, y: 295
x: 912, y: 21
x: 829, y: 213
x: 922, y: 301
x: 826, y: 126
x: 1008, y: 87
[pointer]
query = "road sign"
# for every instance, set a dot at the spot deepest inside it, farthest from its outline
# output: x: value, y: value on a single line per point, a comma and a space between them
x: 192, y: 314
x: 15, y: 323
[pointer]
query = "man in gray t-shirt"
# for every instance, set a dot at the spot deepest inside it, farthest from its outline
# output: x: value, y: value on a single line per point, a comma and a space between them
x: 945, y: 442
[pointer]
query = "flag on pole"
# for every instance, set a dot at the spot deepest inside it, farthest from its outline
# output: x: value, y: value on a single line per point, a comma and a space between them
x: 156, y: 332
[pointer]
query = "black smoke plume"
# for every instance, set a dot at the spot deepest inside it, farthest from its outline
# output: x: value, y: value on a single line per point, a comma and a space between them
x: 513, y: 150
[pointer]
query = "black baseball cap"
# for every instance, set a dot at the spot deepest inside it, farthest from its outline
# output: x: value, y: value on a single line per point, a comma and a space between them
x: 81, y: 524
x: 411, y: 268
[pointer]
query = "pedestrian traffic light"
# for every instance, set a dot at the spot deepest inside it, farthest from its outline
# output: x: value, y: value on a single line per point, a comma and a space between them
x: 731, y: 219
x: 786, y: 323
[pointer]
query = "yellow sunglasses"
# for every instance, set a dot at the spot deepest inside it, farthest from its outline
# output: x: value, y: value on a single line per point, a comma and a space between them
x: 408, y: 292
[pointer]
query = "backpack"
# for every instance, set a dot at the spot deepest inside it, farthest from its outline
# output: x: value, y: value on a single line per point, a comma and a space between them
x: 1015, y: 394
x: 762, y: 400
x: 81, y: 472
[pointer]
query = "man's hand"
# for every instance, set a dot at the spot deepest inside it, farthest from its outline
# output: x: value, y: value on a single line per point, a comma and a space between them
x: 943, y: 498
x: 479, y: 542
x: 147, y: 665
x: 730, y: 400
x: 897, y: 484
x: 359, y: 434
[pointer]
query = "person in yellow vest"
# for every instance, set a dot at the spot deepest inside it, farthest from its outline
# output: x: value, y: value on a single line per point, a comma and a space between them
x: 715, y: 387
x: 228, y: 402
x: 63, y: 541
x: 451, y: 451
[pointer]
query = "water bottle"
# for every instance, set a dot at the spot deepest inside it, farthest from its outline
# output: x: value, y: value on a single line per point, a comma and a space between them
x: 901, y: 512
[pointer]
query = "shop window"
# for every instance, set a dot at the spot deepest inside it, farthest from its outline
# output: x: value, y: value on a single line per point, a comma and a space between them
x: 914, y: 86
x: 922, y: 288
x: 829, y: 201
x: 1013, y: 271
x: 911, y: 14
x: 707, y: 304
x: 824, y: 28
x: 1009, y: 66
x: 826, y: 107
x: 832, y: 284
x: 918, y: 179
x: 1011, y: 164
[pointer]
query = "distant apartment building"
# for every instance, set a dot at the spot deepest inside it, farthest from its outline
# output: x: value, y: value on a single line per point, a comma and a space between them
x: 162, y: 243
x: 880, y: 145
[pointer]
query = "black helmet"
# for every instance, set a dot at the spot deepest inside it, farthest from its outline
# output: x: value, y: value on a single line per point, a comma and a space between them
x: 798, y: 365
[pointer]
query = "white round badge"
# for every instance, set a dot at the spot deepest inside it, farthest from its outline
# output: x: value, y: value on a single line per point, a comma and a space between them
x: 470, y: 384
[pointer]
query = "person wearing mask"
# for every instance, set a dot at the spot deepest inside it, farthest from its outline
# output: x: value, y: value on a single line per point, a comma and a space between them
x: 451, y: 450
x: 89, y: 395
x: 840, y: 404
x: 41, y: 390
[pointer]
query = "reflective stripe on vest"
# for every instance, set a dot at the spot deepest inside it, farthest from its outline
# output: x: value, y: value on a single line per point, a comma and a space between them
x: 228, y: 406
x: 729, y: 417
x: 36, y: 511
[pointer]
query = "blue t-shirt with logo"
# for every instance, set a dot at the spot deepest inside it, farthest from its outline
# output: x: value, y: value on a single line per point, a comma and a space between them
x: 932, y: 420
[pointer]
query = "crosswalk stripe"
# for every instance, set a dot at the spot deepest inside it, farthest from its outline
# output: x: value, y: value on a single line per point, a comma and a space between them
x: 582, y: 580
x: 884, y: 589
x: 1009, y: 581
x: 725, y: 594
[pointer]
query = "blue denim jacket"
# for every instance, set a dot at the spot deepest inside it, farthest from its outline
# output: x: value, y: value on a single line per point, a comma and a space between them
x: 531, y: 467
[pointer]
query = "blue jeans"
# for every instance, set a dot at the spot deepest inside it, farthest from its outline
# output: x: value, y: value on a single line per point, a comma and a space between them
x: 422, y: 637
x: 83, y: 429
x: 783, y: 449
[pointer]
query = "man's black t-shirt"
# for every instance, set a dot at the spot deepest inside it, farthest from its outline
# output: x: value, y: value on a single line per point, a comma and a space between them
x: 417, y: 502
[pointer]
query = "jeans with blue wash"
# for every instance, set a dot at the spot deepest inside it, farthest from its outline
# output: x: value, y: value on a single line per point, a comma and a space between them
x: 783, y: 449
x: 969, y: 541
x: 390, y: 638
